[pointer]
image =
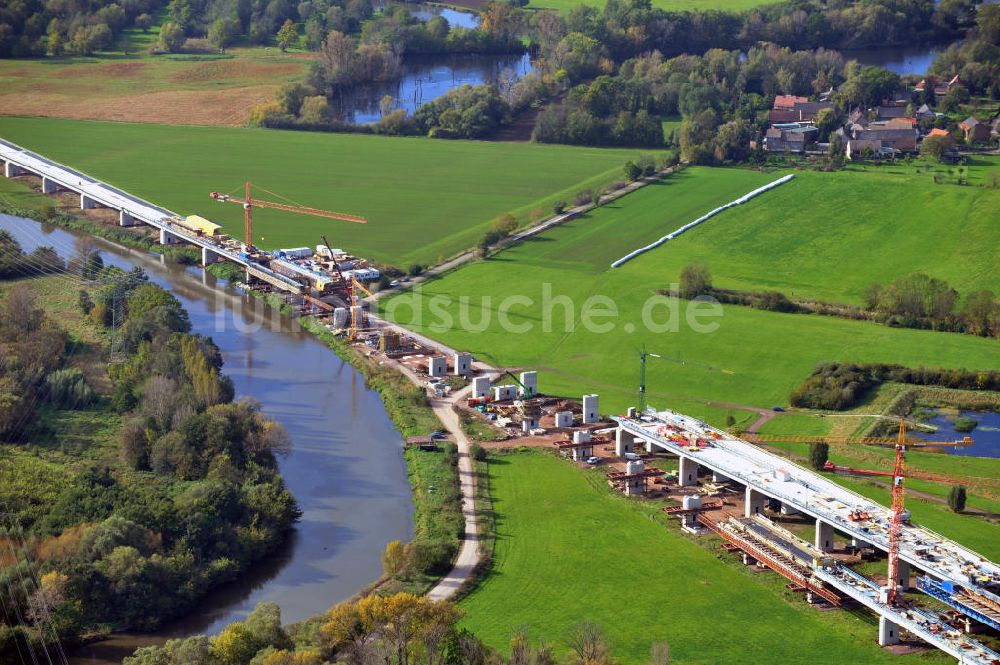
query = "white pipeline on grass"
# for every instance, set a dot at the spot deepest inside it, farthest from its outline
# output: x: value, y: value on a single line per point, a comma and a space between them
x: 671, y: 236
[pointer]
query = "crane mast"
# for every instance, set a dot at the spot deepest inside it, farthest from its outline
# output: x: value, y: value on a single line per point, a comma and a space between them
x: 896, y: 523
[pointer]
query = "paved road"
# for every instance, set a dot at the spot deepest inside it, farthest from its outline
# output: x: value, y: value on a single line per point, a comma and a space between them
x: 545, y: 225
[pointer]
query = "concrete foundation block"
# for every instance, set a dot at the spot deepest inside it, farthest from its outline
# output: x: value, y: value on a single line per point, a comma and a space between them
x: 888, y: 632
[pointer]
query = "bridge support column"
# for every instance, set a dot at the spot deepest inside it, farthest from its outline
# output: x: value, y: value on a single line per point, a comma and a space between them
x: 787, y: 510
x: 86, y: 203
x: 49, y: 186
x: 11, y: 170
x: 125, y: 219
x: 624, y: 442
x: 888, y: 632
x: 903, y: 576
x: 824, y: 536
x: 167, y: 238
x: 208, y: 257
x: 650, y: 446
x: 753, y: 503
x: 687, y: 473
x: 719, y: 478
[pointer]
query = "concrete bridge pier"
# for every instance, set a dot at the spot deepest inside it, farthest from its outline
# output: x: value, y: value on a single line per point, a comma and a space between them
x: 754, y: 503
x: 787, y: 510
x: 208, y: 257
x: 86, y: 203
x: 11, y: 170
x: 624, y: 442
x: 167, y: 238
x: 125, y: 219
x: 49, y: 186
x: 687, y: 473
x: 824, y: 536
x: 719, y: 478
x: 888, y: 632
x: 903, y: 575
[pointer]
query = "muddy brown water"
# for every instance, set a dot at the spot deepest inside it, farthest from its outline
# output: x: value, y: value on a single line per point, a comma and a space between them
x: 345, y: 469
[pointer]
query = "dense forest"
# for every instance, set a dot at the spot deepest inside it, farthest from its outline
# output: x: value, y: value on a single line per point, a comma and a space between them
x: 178, y: 489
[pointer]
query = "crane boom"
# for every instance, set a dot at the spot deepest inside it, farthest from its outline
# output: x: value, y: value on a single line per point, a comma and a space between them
x: 249, y: 203
x: 756, y: 437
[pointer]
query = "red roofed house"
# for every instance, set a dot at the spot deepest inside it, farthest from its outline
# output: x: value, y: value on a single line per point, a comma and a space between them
x: 788, y: 101
x: 940, y: 89
x: 943, y: 133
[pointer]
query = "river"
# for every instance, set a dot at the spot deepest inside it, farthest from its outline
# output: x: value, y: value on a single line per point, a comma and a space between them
x: 346, y: 468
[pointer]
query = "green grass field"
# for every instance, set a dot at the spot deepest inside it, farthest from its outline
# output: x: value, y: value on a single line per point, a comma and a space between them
x: 569, y: 550
x: 425, y: 199
x: 754, y: 357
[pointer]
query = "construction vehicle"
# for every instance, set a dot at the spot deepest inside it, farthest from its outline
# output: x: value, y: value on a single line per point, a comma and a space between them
x: 249, y: 203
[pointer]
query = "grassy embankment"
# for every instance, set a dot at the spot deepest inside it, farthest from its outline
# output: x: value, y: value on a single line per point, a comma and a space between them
x: 642, y: 581
x: 425, y: 200
x: 797, y: 238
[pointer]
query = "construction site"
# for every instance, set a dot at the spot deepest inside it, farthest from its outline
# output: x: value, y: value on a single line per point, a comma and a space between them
x: 770, y: 512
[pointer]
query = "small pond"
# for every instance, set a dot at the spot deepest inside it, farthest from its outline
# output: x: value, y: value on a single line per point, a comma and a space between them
x: 986, y: 434
x: 426, y: 78
x: 455, y: 17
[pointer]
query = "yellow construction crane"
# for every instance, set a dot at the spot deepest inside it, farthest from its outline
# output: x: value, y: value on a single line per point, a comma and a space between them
x: 841, y: 440
x: 357, y: 314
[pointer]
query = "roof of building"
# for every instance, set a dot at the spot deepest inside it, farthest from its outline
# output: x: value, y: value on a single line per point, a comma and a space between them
x: 787, y: 101
x: 937, y: 131
x: 891, y: 111
x: 969, y: 123
x: 886, y: 134
x: 861, y: 144
x: 893, y: 123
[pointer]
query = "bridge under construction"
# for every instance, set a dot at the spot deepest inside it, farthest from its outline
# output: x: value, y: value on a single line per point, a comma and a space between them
x: 963, y: 579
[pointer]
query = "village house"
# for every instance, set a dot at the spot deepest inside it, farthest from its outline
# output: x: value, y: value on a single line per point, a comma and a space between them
x: 896, y: 139
x: 944, y: 134
x: 796, y: 109
x: 924, y: 112
x: 975, y: 131
x: 940, y: 89
x: 859, y: 149
x: 788, y: 139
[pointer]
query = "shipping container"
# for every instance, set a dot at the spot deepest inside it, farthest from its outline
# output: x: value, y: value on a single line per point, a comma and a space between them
x: 297, y: 252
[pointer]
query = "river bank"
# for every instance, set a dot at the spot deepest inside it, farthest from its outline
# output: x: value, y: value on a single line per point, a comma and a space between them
x: 346, y: 466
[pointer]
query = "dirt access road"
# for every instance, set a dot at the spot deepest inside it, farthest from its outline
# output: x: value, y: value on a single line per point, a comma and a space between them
x: 468, y: 554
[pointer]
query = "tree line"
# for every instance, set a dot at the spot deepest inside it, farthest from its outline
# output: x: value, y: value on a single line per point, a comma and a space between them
x: 188, y: 498
x: 840, y: 386
x: 912, y: 301
x: 54, y: 27
x: 392, y: 629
